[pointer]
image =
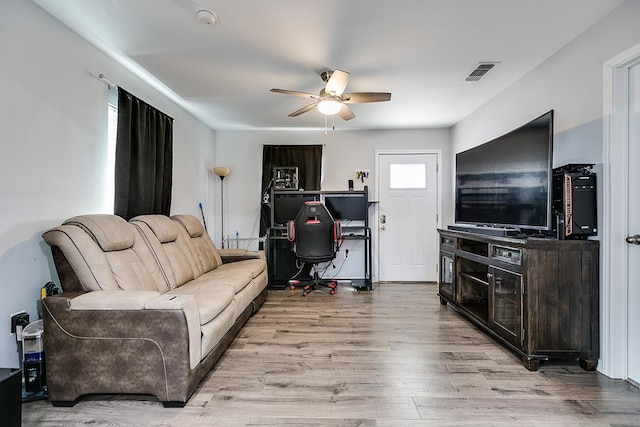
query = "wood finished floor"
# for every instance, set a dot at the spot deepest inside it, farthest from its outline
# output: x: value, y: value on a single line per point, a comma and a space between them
x: 392, y: 357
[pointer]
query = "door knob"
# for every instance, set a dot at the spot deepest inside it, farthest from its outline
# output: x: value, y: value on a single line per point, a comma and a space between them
x: 382, y: 227
x: 634, y: 240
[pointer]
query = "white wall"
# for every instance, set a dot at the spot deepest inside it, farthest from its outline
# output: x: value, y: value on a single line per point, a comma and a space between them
x: 343, y: 153
x: 53, y: 155
x: 571, y: 83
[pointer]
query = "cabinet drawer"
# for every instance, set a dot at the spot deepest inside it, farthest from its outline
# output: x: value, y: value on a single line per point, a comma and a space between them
x: 507, y: 254
x: 447, y: 242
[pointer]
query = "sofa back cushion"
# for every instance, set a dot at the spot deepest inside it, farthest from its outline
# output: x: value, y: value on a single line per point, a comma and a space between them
x: 160, y: 233
x: 104, y: 253
x: 196, y: 239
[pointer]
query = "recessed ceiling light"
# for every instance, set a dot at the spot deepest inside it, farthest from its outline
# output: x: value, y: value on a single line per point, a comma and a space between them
x: 206, y: 16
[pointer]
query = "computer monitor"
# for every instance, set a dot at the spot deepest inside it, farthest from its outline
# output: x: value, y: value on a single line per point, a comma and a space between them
x: 286, y: 206
x: 347, y: 207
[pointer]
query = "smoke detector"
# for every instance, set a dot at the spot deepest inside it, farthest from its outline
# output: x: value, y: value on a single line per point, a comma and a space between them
x: 206, y: 16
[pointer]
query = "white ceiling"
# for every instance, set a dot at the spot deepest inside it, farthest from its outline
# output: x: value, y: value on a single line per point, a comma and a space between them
x: 419, y: 50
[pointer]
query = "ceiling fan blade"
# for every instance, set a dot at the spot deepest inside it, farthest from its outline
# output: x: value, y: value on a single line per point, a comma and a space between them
x: 303, y: 110
x: 345, y: 113
x: 295, y: 93
x: 337, y: 83
x: 362, y: 97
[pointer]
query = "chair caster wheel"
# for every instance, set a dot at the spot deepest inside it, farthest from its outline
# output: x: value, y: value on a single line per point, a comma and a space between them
x: 332, y: 292
x: 292, y: 287
x: 304, y: 294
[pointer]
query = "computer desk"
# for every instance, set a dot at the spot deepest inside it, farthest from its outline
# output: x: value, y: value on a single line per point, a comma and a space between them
x: 280, y: 257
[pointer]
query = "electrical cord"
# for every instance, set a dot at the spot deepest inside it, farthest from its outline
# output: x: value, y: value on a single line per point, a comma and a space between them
x: 299, y: 267
x: 332, y: 264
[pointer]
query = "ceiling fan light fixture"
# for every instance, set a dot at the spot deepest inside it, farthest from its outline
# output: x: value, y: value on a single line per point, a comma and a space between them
x: 329, y: 106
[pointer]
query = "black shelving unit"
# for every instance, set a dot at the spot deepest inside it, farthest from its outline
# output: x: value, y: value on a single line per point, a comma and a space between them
x: 285, y: 204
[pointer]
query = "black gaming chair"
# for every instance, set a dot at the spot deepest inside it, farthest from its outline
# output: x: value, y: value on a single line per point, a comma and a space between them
x: 316, y: 238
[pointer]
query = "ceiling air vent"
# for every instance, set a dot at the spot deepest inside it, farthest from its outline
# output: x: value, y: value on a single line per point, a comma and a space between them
x: 479, y: 72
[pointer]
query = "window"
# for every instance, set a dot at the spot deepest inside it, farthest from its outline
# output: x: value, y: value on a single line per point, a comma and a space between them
x: 407, y: 176
x: 112, y: 131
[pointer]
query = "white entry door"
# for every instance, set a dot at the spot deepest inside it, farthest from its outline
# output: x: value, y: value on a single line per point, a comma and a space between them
x: 408, y: 217
x: 633, y: 320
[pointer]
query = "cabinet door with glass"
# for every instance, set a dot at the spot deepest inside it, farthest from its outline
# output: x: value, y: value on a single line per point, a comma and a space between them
x: 506, y: 313
x: 446, y: 288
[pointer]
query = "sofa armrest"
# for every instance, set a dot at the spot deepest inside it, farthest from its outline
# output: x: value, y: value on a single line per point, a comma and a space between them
x: 233, y: 255
x: 139, y: 351
x: 112, y: 300
x: 186, y: 303
x: 146, y: 300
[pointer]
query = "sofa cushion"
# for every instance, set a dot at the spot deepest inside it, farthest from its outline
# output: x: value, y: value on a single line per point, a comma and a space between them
x: 164, y: 229
x: 191, y: 224
x: 194, y: 238
x: 103, y: 253
x: 236, y: 274
x: 110, y: 232
x: 215, y: 330
x: 254, y: 266
x: 160, y: 233
x: 211, y: 299
x: 237, y: 280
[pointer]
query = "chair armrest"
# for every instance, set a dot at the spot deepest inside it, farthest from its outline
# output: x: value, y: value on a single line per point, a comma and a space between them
x: 233, y: 255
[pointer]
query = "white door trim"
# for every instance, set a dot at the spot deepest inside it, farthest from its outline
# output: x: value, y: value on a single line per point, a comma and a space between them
x: 375, y: 223
x: 614, y: 250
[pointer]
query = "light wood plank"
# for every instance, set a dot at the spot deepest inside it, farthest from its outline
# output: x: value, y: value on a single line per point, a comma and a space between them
x: 392, y: 357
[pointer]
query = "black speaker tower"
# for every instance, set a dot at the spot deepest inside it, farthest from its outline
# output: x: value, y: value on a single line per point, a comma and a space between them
x: 574, y: 201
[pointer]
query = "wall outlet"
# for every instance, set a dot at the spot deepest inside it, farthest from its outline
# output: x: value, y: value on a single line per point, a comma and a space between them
x: 18, y: 322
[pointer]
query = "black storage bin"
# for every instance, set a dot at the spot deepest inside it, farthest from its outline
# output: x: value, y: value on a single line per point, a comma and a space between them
x: 11, y: 397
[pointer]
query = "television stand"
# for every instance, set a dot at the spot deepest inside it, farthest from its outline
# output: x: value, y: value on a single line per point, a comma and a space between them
x: 538, y: 297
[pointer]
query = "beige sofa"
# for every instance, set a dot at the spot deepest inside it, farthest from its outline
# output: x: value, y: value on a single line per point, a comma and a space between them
x: 148, y: 306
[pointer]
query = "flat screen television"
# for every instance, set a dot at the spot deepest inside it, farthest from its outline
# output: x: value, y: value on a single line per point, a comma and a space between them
x: 506, y: 182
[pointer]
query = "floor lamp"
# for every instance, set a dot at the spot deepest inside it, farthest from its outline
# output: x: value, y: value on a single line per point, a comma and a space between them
x: 222, y: 172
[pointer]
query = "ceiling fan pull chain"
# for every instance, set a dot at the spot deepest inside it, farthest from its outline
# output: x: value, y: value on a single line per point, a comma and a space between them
x: 326, y: 126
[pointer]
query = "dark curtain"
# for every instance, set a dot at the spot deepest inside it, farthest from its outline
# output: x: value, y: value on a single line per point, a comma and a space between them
x: 144, y: 159
x: 308, y: 159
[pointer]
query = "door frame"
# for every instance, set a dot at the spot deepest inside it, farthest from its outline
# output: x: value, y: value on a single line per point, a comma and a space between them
x: 376, y: 217
x: 614, y: 252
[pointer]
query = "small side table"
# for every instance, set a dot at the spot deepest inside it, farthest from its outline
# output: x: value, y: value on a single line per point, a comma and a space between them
x: 11, y: 396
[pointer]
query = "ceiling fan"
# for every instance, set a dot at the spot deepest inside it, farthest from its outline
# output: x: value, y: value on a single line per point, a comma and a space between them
x: 332, y: 99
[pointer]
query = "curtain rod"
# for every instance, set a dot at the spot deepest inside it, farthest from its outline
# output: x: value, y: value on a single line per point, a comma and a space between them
x: 105, y: 80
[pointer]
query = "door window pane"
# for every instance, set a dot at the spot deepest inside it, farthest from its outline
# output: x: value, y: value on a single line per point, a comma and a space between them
x: 407, y: 175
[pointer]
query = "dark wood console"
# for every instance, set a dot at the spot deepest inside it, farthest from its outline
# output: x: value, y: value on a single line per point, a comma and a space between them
x: 539, y: 297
